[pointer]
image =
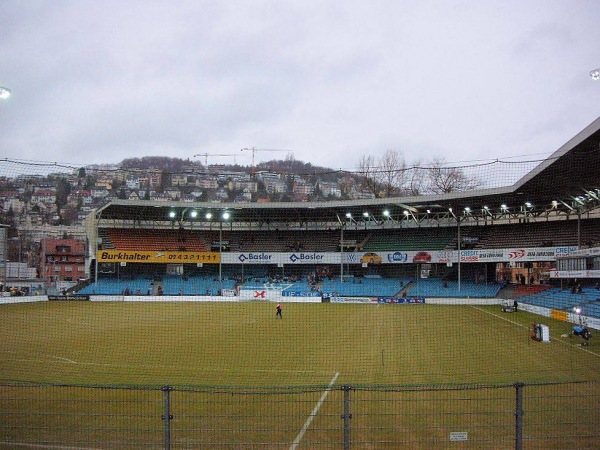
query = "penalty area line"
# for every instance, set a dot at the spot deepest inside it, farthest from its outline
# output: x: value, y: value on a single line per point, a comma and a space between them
x: 314, y: 412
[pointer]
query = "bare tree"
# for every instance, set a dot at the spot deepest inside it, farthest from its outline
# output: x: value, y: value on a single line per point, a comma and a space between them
x: 443, y: 179
x: 390, y: 175
x: 414, y: 179
x: 367, y: 169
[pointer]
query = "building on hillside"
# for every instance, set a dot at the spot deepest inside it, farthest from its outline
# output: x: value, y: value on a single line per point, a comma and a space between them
x: 235, y: 185
x: 207, y: 182
x: 61, y: 260
x: 330, y: 189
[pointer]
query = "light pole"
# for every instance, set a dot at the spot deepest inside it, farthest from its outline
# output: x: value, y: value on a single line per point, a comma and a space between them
x: 224, y: 218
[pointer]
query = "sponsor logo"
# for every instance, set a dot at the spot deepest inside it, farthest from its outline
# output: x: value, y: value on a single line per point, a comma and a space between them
x: 397, y: 257
x: 127, y: 256
x: 260, y: 294
x: 306, y: 257
x: 255, y: 257
x: 564, y: 250
x: 516, y: 254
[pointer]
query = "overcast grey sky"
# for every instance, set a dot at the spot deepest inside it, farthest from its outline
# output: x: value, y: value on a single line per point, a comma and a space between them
x: 100, y: 81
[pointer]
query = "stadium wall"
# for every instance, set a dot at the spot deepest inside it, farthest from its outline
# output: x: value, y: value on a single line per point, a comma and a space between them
x: 592, y: 322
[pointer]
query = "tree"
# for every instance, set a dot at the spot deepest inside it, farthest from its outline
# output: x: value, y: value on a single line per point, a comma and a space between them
x: 367, y: 169
x: 392, y: 168
x: 443, y: 179
x: 63, y: 189
x: 415, y: 179
x: 385, y: 176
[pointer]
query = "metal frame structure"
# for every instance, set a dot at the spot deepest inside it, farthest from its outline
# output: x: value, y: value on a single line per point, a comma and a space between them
x: 564, y: 186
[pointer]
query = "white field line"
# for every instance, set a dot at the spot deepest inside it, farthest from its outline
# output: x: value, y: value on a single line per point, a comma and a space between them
x: 523, y: 326
x: 61, y: 360
x: 46, y: 446
x: 314, y: 412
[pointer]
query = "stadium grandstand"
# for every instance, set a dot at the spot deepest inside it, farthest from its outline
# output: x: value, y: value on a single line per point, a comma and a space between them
x: 489, y: 243
x: 154, y: 325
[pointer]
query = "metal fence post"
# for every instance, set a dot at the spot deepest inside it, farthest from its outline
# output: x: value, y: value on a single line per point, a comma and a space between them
x: 519, y: 416
x: 167, y: 417
x: 347, y: 416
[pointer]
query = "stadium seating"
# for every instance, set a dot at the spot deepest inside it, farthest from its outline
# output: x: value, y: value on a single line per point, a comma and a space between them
x: 171, y: 284
x: 565, y: 300
x: 408, y: 239
x: 436, y: 287
x: 155, y: 240
x: 533, y: 234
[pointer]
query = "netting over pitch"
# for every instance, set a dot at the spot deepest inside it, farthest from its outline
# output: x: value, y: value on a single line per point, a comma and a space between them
x: 188, y: 269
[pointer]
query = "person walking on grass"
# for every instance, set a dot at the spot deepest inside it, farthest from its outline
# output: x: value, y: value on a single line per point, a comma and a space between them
x: 278, y: 313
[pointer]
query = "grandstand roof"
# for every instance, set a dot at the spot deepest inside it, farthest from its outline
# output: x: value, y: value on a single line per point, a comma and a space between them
x: 566, y: 182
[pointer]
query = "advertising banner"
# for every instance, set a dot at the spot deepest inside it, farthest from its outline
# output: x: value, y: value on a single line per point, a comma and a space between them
x: 365, y: 259
x: 515, y: 254
x: 574, y: 273
x: 141, y: 256
x: 402, y: 257
x: 400, y: 301
x: 281, y: 258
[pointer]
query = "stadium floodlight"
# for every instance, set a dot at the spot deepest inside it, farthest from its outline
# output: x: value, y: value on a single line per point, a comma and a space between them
x: 595, y: 74
x: 4, y: 93
x: 172, y: 214
x: 193, y: 214
x: 208, y: 216
x: 366, y: 215
x: 386, y: 214
x: 467, y: 209
x: 554, y: 203
x: 504, y: 207
x: 428, y: 211
x: 406, y: 212
x: 226, y: 215
x: 348, y: 215
x: 577, y: 309
x: 528, y: 204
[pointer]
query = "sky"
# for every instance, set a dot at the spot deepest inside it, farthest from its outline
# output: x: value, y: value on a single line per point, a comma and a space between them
x: 326, y: 82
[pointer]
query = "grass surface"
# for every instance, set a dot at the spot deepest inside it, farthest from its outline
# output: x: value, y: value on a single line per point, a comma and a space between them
x: 243, y: 344
x: 281, y: 369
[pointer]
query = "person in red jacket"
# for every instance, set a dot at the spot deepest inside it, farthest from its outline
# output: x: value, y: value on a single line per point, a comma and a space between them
x: 278, y: 313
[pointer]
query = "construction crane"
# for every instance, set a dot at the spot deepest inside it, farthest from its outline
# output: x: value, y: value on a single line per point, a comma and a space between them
x: 206, y: 155
x: 254, y: 150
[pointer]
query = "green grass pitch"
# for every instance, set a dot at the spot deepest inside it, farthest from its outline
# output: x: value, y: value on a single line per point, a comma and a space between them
x: 243, y: 344
x: 239, y: 347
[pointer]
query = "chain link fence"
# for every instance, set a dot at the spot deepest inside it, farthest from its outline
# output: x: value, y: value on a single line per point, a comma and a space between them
x: 528, y: 416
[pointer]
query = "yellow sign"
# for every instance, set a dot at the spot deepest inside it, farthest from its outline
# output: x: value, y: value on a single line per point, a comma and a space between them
x: 560, y: 315
x: 139, y: 256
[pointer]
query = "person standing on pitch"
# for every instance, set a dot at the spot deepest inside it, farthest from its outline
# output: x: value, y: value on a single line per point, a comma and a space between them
x: 278, y: 313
